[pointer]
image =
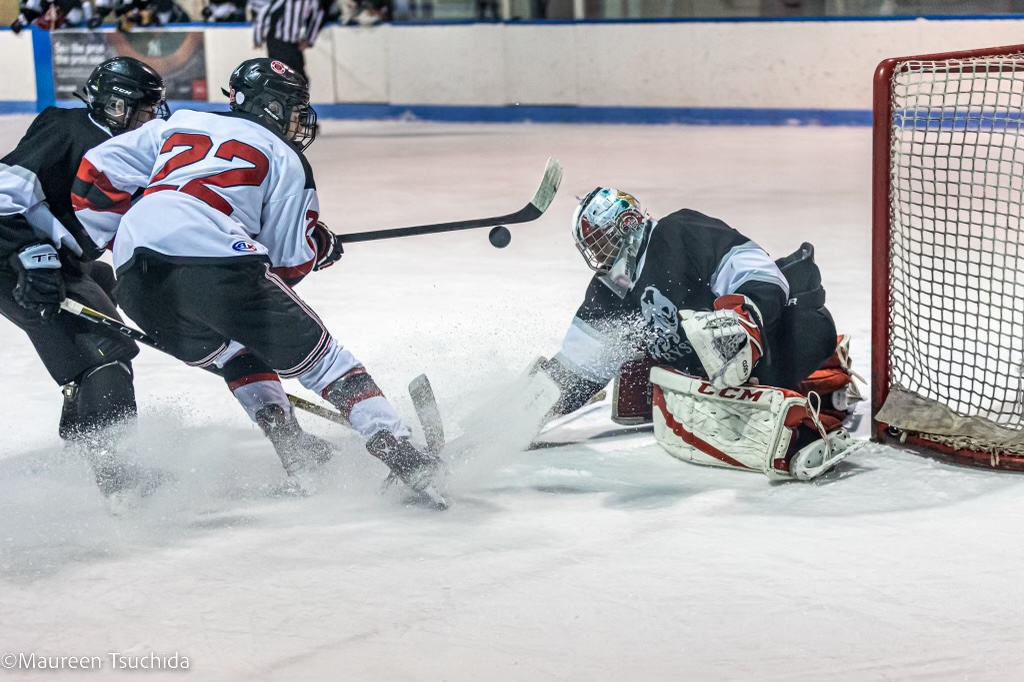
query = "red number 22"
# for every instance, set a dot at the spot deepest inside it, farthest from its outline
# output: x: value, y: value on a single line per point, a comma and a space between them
x: 198, y: 148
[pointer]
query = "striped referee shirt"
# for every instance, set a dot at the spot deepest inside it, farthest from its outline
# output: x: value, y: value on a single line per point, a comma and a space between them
x: 290, y: 21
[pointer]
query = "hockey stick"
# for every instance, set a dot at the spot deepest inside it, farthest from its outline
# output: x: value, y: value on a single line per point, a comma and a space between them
x: 96, y: 317
x: 425, y: 404
x: 535, y: 209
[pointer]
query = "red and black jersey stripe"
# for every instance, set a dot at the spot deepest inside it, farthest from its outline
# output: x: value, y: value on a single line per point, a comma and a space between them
x: 92, y: 190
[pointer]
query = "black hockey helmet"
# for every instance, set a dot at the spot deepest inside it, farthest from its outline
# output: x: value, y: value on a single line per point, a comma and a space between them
x: 277, y: 95
x: 123, y: 93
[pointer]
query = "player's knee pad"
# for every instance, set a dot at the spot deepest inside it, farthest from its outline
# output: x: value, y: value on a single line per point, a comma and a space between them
x: 777, y: 432
x: 101, y: 397
x: 363, y: 404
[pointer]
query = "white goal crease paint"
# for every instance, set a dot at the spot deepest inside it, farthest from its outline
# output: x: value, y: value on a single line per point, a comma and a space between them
x: 600, y: 562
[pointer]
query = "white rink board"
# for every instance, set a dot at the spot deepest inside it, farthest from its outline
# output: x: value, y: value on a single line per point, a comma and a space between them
x: 784, y: 65
x: 608, y: 562
x: 19, y: 72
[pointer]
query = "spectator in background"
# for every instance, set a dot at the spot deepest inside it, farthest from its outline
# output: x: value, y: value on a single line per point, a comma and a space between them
x: 168, y: 12
x: 47, y: 14
x: 364, y: 12
x: 224, y: 11
x: 288, y: 28
x: 488, y: 7
x: 132, y: 13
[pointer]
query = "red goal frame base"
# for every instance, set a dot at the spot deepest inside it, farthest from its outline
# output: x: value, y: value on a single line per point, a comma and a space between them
x: 940, y: 451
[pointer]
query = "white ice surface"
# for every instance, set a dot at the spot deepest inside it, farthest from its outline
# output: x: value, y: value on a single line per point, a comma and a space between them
x: 607, y: 562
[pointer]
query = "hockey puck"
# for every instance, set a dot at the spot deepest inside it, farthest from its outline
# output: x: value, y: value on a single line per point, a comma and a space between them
x: 500, y: 237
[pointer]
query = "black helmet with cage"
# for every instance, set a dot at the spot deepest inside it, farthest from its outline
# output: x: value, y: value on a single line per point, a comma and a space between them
x: 277, y: 95
x: 123, y: 93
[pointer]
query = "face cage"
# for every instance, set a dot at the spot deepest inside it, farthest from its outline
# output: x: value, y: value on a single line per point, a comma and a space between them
x: 122, y: 117
x: 600, y: 246
x: 303, y: 127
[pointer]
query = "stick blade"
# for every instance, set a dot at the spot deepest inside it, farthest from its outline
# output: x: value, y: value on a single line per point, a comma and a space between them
x: 425, y: 403
x: 548, y: 185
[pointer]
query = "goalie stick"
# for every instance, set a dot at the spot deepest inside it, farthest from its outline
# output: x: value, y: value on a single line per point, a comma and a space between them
x: 535, y: 209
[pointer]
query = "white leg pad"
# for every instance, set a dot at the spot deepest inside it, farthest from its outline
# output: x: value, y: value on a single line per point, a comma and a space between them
x: 745, y: 427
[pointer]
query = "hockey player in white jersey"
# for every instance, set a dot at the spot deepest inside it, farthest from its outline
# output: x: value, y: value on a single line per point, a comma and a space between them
x: 747, y: 369
x: 227, y: 221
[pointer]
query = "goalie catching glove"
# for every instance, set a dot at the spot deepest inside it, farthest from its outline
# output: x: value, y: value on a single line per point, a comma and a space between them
x: 329, y: 248
x: 727, y: 340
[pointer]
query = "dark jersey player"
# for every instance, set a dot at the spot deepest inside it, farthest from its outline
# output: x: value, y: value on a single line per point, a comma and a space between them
x: 692, y: 295
x: 45, y: 254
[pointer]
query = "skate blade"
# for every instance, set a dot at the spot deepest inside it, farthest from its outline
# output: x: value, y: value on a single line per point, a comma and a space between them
x: 810, y: 465
x: 429, y: 496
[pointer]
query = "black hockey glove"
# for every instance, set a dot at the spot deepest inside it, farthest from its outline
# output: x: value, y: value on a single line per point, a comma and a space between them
x: 40, y: 287
x: 329, y: 248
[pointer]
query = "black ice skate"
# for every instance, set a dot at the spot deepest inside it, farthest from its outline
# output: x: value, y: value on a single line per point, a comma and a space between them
x: 299, y: 451
x: 421, y: 471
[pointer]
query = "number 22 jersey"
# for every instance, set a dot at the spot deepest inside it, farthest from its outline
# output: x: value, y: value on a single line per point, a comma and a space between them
x: 200, y: 188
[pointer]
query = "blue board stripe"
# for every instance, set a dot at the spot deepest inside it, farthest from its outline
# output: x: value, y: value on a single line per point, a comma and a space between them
x: 573, y: 114
x: 43, y: 58
x: 549, y: 114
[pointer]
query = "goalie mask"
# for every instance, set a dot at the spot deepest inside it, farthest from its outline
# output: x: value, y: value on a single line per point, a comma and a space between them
x: 123, y: 93
x: 276, y: 95
x: 608, y: 228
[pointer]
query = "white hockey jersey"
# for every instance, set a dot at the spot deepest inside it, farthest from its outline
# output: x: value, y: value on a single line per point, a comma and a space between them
x: 213, y: 187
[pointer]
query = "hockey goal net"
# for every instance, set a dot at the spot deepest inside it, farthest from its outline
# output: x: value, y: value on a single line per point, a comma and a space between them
x: 948, y: 255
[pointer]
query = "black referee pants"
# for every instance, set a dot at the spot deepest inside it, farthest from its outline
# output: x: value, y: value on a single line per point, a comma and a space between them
x: 289, y: 53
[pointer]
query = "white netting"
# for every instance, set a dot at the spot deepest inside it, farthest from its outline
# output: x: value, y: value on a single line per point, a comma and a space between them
x: 956, y: 253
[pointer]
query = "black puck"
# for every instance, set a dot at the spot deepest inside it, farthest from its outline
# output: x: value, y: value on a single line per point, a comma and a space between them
x: 500, y: 237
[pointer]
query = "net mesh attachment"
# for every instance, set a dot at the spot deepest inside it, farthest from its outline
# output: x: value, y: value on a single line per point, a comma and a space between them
x: 956, y: 250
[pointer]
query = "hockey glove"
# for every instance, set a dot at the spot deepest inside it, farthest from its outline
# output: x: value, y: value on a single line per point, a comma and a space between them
x: 727, y: 340
x: 40, y: 287
x: 329, y: 248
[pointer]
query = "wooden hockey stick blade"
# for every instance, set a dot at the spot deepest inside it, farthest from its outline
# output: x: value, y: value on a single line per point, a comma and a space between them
x: 425, y: 403
x: 96, y: 317
x: 318, y: 410
x: 535, y: 209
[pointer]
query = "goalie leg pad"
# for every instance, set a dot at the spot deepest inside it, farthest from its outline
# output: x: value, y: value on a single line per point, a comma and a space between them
x: 754, y: 428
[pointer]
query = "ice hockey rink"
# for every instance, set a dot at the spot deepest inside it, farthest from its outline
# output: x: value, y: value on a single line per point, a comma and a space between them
x: 601, y: 561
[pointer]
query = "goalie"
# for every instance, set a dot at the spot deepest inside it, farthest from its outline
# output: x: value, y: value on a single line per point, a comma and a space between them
x: 744, y: 365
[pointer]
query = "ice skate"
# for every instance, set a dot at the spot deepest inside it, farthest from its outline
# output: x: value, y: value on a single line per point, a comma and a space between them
x: 300, y: 452
x: 422, y: 472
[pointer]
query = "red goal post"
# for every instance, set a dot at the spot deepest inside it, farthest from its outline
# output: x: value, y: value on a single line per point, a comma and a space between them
x: 948, y: 255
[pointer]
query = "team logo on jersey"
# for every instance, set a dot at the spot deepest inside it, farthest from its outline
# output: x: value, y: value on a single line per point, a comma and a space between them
x: 662, y: 319
x: 244, y: 247
x: 278, y: 67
